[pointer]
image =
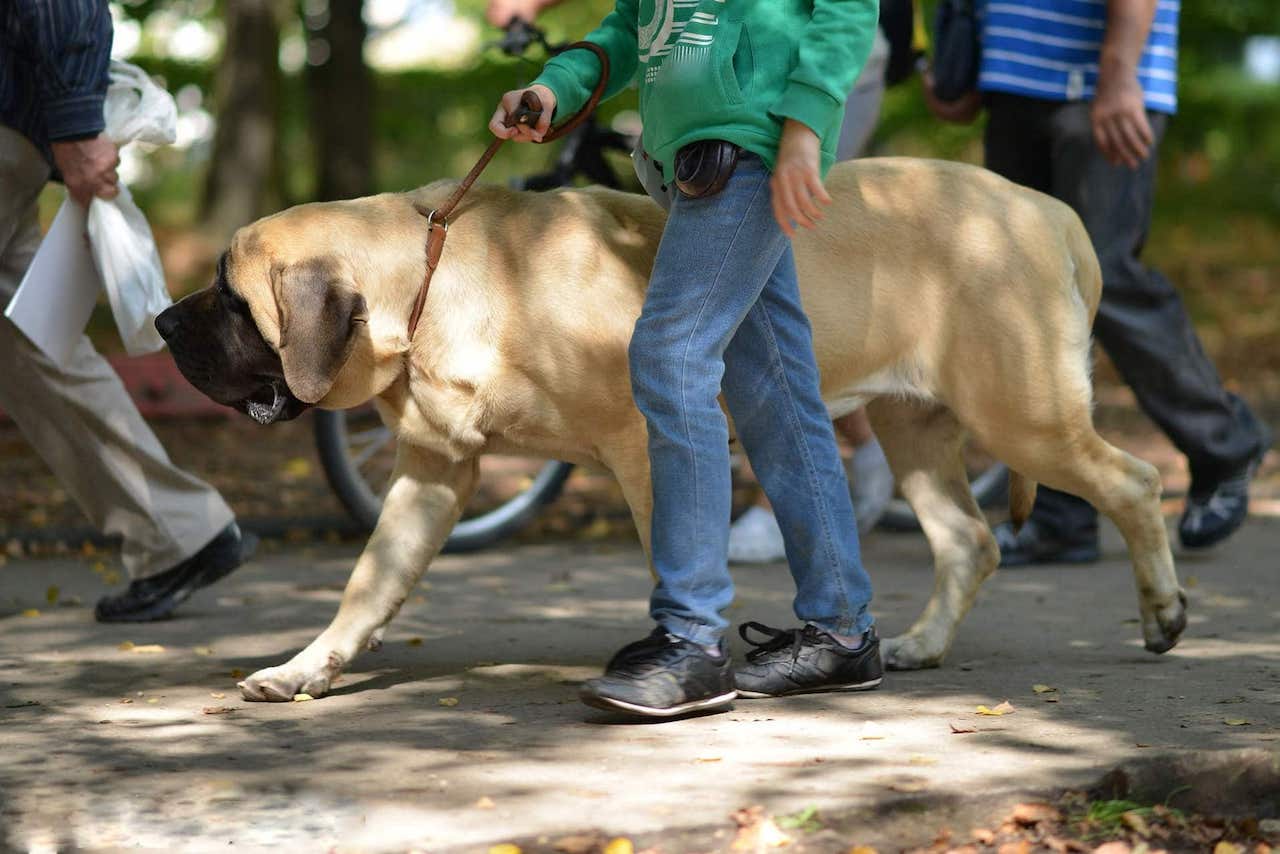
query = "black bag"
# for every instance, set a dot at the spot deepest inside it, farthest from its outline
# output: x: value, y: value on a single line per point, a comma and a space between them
x: 704, y: 167
x: 956, y: 50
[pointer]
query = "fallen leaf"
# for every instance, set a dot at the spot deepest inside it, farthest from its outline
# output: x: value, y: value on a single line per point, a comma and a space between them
x: 414, y: 641
x: 1022, y: 846
x: 51, y: 595
x: 1043, y: 689
x: 957, y: 727
x: 871, y: 731
x: 922, y: 760
x: 578, y: 843
x: 152, y: 700
x: 1031, y: 814
x: 1005, y: 708
x: 1236, y: 722
x: 146, y: 648
x: 31, y: 612
x: 448, y: 701
x: 505, y: 848
x: 1135, y: 822
x: 217, y: 695
x: 302, y: 698
x: 707, y: 759
x: 756, y: 831
x: 296, y: 468
x: 1225, y: 847
x: 125, y: 700
x: 619, y: 845
x: 237, y: 673
x: 1113, y: 848
x: 862, y: 849
x: 203, y: 650
x: 983, y: 836
x: 485, y: 803
x: 125, y: 645
x: 218, y: 710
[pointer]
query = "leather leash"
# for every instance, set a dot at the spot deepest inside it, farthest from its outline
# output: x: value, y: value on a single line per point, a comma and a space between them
x: 529, y: 112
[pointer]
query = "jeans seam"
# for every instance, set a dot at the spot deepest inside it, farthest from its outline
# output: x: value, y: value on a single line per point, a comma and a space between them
x: 814, y: 482
x: 684, y: 356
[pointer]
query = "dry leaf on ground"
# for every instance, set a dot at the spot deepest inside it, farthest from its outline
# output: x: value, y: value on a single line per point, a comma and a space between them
x: 448, y: 701
x: 1043, y: 689
x: 1030, y: 814
x: 1005, y: 708
x: 958, y: 727
x: 619, y: 845
x: 485, y: 803
x: 504, y: 848
x: 1236, y: 722
x: 756, y: 831
x: 302, y: 698
x: 218, y: 710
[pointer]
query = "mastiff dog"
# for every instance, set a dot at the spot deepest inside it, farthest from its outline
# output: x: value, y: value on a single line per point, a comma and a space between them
x: 950, y: 300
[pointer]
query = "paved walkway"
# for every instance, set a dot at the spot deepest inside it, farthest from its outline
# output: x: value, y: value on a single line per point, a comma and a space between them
x: 465, y: 730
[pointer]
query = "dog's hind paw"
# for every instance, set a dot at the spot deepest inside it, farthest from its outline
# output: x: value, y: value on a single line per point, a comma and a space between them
x: 282, y: 684
x: 1162, y: 633
x: 906, y: 652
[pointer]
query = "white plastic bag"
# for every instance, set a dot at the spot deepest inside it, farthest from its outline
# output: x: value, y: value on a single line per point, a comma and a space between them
x: 120, y: 239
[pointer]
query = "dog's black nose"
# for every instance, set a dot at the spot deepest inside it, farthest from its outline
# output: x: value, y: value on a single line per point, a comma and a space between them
x: 167, y: 323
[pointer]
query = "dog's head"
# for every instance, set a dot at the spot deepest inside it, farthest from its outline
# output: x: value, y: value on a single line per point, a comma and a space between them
x: 271, y: 333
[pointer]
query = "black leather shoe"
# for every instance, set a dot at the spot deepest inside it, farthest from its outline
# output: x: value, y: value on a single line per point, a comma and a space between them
x: 806, y: 661
x: 156, y: 597
x: 1035, y: 544
x: 660, y: 677
x: 1214, y: 511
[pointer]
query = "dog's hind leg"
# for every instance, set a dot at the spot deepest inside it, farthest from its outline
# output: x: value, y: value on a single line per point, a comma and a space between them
x: 425, y: 500
x: 923, y: 442
x: 1127, y: 491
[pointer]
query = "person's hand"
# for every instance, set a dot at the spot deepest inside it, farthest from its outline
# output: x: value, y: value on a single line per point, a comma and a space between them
x: 523, y: 133
x: 88, y: 167
x: 796, y: 184
x: 1118, y: 114
x: 501, y: 12
x: 961, y: 111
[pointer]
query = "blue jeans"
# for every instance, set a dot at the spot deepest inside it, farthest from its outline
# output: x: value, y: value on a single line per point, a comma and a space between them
x: 723, y: 313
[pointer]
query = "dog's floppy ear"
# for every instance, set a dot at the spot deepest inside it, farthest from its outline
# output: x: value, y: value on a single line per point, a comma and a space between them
x: 320, y: 314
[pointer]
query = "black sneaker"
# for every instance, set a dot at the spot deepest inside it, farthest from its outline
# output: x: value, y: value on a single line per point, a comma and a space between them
x: 662, y: 676
x: 807, y: 660
x: 155, y: 597
x: 1214, y: 511
x: 1034, y: 543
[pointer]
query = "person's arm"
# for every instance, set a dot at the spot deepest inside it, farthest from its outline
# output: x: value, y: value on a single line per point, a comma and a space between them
x: 71, y: 43
x: 566, y: 81
x: 1121, y: 129
x: 834, y: 47
x: 503, y: 12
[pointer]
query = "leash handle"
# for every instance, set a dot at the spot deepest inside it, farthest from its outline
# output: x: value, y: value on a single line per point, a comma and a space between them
x: 529, y: 113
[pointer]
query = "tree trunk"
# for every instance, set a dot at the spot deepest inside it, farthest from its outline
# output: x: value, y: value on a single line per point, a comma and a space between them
x: 243, y: 182
x: 340, y: 96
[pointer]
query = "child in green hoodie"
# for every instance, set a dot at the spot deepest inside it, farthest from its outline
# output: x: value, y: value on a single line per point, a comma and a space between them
x: 722, y: 314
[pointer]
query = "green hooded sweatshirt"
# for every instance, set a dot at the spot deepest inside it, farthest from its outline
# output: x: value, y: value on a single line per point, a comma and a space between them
x: 725, y: 69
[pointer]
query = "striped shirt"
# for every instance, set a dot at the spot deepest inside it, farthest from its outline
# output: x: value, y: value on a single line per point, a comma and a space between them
x: 1049, y: 49
x: 53, y: 68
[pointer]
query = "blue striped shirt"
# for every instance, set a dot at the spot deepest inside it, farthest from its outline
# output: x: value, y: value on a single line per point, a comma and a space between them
x: 53, y: 68
x: 1049, y: 49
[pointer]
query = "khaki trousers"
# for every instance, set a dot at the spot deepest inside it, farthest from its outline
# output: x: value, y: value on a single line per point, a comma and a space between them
x: 80, y: 419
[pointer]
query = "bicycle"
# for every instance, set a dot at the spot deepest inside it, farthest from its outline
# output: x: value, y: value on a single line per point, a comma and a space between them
x: 357, y: 451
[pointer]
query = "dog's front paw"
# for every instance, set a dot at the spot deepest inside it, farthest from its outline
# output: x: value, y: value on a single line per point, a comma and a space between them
x: 1162, y: 628
x: 281, y: 684
x: 908, y: 652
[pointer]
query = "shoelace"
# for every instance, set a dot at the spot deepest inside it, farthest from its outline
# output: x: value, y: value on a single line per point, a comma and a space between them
x: 776, y: 640
x: 659, y: 650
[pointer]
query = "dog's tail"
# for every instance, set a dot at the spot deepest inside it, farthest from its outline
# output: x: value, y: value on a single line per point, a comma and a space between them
x: 1022, y: 494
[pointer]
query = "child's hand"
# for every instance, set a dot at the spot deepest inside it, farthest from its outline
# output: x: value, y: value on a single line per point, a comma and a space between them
x: 797, y: 179
x: 523, y: 133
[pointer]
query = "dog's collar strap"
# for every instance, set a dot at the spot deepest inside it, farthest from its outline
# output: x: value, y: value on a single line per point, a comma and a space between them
x: 438, y: 218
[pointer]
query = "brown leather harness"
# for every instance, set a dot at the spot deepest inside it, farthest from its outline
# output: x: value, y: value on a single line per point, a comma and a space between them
x: 529, y: 112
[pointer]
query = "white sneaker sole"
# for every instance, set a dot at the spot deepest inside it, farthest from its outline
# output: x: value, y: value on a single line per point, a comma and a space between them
x: 612, y: 705
x: 825, y: 689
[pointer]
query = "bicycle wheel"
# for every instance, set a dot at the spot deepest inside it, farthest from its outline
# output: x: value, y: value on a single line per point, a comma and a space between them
x: 988, y: 480
x: 357, y: 452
